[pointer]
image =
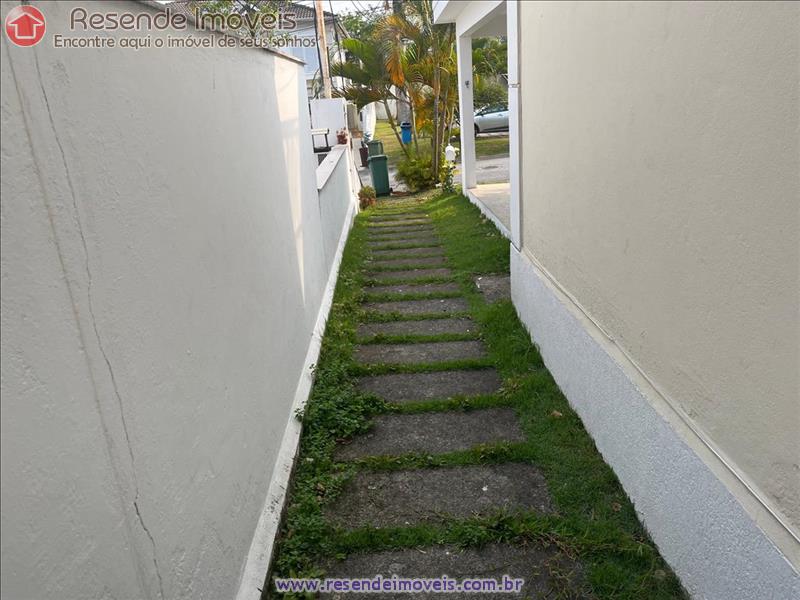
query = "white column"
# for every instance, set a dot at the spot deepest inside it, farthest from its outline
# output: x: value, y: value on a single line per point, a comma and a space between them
x: 514, y: 124
x: 465, y: 107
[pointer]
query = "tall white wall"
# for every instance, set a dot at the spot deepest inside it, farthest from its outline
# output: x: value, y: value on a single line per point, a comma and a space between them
x: 661, y: 180
x: 163, y: 267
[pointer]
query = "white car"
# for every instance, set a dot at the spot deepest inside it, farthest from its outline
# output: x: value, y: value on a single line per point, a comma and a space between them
x: 491, y: 118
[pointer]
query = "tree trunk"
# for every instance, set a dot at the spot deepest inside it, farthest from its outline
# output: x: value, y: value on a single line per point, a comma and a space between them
x: 393, y: 125
x: 413, y: 122
x: 435, y: 142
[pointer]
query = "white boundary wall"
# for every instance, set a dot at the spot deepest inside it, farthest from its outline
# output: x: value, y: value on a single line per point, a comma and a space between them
x: 167, y: 268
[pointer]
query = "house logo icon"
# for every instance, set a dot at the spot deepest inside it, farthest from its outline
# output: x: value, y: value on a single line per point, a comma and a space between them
x: 25, y: 25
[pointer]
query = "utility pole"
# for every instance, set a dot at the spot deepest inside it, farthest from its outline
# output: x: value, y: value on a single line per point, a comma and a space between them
x: 403, y: 103
x: 323, y: 49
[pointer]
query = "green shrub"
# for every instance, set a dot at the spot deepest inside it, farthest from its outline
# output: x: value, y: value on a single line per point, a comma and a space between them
x: 417, y: 172
x: 489, y: 93
x: 446, y: 176
x: 366, y: 196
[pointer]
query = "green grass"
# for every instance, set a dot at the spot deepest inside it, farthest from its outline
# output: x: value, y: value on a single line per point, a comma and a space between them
x: 594, y: 520
x: 391, y: 147
x: 496, y: 145
x: 489, y: 145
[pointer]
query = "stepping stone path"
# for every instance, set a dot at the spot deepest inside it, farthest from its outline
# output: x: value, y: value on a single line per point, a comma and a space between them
x: 493, y: 560
x: 377, y: 497
x: 424, y: 251
x: 461, y: 326
x: 434, y: 306
x: 405, y: 354
x: 408, y: 275
x: 385, y: 262
x: 411, y: 288
x: 494, y: 287
x: 421, y: 387
x: 414, y: 496
x: 434, y: 433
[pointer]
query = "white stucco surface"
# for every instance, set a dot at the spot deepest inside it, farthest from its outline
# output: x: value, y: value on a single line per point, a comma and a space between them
x: 164, y: 262
x: 330, y: 114
x: 700, y: 527
x: 661, y: 162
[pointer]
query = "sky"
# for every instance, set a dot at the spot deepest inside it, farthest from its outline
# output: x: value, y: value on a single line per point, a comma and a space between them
x: 348, y: 5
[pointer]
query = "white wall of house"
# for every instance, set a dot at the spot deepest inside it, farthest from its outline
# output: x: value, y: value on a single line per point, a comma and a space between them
x: 330, y: 114
x: 655, y: 260
x: 166, y: 260
x: 660, y: 209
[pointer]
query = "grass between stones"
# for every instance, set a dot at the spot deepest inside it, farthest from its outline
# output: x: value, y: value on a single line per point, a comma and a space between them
x: 594, y: 520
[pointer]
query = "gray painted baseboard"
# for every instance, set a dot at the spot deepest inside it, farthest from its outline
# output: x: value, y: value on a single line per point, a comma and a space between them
x: 701, y: 529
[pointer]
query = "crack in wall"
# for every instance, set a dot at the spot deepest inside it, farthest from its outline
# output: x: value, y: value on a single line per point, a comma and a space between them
x: 98, y: 338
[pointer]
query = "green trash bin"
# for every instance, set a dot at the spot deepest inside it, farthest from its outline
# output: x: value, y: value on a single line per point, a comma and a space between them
x: 375, y: 147
x: 379, y: 170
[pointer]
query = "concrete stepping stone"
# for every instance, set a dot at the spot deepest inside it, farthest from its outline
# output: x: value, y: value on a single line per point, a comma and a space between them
x: 410, y: 288
x: 426, y: 352
x: 429, y: 242
x: 399, y: 216
x: 435, y: 306
x: 397, y: 498
x: 377, y: 225
x: 433, y: 433
x: 397, y: 221
x: 419, y: 237
x: 408, y: 275
x: 423, y: 327
x: 406, y: 252
x: 547, y: 573
x: 379, y: 232
x: 437, y: 385
x: 494, y: 287
x: 434, y: 261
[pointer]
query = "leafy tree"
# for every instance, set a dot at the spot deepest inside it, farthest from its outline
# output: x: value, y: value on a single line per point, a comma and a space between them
x: 405, y: 54
x: 360, y: 25
x: 368, y: 80
x: 490, y: 56
x: 489, y: 93
x: 421, y: 59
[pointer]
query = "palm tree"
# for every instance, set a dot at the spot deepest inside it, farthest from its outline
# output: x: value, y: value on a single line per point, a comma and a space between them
x: 420, y: 58
x: 367, y: 78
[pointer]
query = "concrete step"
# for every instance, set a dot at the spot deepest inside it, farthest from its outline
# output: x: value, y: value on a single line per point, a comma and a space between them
x: 408, y: 274
x: 377, y: 225
x: 408, y: 497
x: 436, y: 385
x: 377, y: 232
x: 420, y: 327
x: 421, y: 242
x: 546, y: 572
x: 402, y: 237
x: 429, y: 352
x: 406, y: 262
x: 408, y: 288
x: 433, y: 433
x: 436, y: 306
x: 494, y: 287
x: 396, y: 253
x: 398, y: 216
